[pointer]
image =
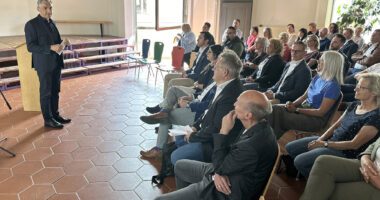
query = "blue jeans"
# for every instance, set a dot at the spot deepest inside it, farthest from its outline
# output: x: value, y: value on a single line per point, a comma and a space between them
x: 191, y: 151
x: 304, y: 158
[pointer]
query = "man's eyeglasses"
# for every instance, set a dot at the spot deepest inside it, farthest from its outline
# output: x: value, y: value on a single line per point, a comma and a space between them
x: 361, y: 87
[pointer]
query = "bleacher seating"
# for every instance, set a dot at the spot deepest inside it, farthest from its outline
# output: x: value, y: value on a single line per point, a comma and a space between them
x: 80, y: 57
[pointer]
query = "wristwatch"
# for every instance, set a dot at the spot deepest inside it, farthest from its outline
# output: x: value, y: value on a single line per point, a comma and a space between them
x: 326, y: 144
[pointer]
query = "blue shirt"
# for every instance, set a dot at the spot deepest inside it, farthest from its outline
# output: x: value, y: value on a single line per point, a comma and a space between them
x: 319, y: 89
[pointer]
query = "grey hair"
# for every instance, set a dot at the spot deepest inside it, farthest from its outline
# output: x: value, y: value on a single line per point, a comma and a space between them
x: 333, y: 66
x: 231, y: 62
x: 43, y: 1
x: 374, y: 84
x: 258, y: 111
x: 263, y: 42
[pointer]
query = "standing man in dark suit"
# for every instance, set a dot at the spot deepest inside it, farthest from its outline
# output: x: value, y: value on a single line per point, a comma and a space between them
x: 228, y: 88
x: 295, y: 78
x: 350, y: 47
x: 237, y: 171
x: 44, y: 42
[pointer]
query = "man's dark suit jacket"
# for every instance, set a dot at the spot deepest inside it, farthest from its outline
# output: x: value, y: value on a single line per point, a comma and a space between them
x: 295, y: 84
x: 248, y: 162
x: 212, y: 121
x: 349, y: 48
x: 38, y: 41
x: 198, y: 67
x: 270, y: 73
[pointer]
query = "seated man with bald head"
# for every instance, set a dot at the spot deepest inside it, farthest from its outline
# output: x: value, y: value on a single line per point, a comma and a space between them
x: 239, y: 170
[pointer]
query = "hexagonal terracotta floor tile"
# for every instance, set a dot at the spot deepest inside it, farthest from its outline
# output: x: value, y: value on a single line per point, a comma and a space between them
x: 125, y: 181
x: 109, y: 146
x: 128, y: 165
x: 9, y: 197
x: 147, y: 171
x: 46, y: 142
x: 38, y: 154
x: 95, y: 191
x: 90, y: 141
x: 65, y: 147
x: 105, y: 159
x: 69, y: 184
x: 100, y: 174
x: 148, y: 191
x: 9, y: 162
x: 116, y: 126
x: 84, y: 153
x: 130, y: 151
x: 4, y: 174
x: 113, y: 135
x: 15, y: 184
x: 58, y: 160
x: 78, y: 167
x: 48, y: 175
x: 133, y: 130
x: 94, y: 131
x: 64, y: 197
x: 130, y: 140
x: 37, y: 192
x: 27, y: 167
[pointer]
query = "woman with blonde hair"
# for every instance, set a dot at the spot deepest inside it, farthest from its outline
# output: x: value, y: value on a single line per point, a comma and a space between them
x: 284, y: 38
x: 311, y: 111
x: 354, y: 131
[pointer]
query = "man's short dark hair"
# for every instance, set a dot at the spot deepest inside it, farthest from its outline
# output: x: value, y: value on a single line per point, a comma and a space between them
x: 341, y: 37
x: 208, y: 24
x: 304, y: 46
x: 292, y: 25
x: 207, y: 36
x: 232, y: 28
x: 238, y: 20
x: 256, y: 29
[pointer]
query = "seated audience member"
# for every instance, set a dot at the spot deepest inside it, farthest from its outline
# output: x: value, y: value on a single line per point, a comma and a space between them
x: 348, y: 90
x: 269, y: 70
x: 284, y: 37
x: 365, y: 57
x: 356, y: 129
x: 336, y: 44
x: 233, y: 42
x: 313, y: 53
x: 349, y: 47
x: 268, y: 33
x: 250, y: 48
x: 200, y: 142
x: 238, y: 171
x: 324, y: 42
x: 292, y: 34
x: 313, y: 29
x: 206, y: 28
x: 311, y: 111
x: 259, y: 55
x: 294, y: 79
x: 340, y: 178
x: 187, y: 41
x: 333, y: 29
x: 302, y: 35
x: 236, y: 25
x: 188, y: 77
x: 191, y: 106
x: 358, y: 39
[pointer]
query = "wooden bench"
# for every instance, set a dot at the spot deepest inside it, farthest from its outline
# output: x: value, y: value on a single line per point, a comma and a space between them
x: 112, y: 55
x: 8, y: 58
x: 78, y: 51
x: 74, y: 70
x: 116, y: 64
x: 6, y: 81
x: 101, y: 23
x: 8, y: 69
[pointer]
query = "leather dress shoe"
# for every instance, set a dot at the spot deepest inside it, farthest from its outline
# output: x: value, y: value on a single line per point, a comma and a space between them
x: 51, y: 123
x: 154, y: 109
x: 62, y: 120
x: 155, y: 118
x: 155, y: 152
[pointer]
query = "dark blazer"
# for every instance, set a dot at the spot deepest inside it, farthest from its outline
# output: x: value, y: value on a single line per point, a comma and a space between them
x: 347, y: 63
x: 295, y: 84
x: 198, y: 67
x: 349, y: 48
x: 270, y: 73
x: 38, y: 41
x: 247, y: 163
x: 199, y: 107
x: 212, y: 121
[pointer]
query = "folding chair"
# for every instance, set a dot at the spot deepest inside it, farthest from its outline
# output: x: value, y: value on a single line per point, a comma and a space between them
x: 262, y: 197
x: 145, y: 51
x: 158, y: 50
x: 177, y: 61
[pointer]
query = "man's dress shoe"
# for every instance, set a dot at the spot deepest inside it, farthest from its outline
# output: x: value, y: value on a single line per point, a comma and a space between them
x: 51, y: 123
x: 62, y: 120
x: 155, y: 118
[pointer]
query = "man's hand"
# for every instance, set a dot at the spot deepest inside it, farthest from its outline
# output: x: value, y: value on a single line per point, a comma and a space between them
x: 367, y: 168
x: 187, y: 136
x: 66, y: 42
x: 228, y: 123
x: 269, y: 94
x: 56, y: 48
x: 182, y: 102
x: 222, y: 184
x: 290, y: 106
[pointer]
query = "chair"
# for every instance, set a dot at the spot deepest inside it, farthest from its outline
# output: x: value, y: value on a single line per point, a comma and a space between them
x: 177, y: 60
x: 158, y: 50
x: 262, y: 197
x: 145, y: 51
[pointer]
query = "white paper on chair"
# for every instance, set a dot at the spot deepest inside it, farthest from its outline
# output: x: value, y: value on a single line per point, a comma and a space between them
x: 180, y: 130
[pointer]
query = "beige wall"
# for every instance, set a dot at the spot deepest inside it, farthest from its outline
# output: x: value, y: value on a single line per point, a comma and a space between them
x: 15, y: 13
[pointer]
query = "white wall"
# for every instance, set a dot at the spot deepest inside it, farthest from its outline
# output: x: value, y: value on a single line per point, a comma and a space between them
x: 14, y: 14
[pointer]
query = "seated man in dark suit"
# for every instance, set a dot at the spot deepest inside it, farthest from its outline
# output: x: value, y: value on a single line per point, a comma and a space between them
x: 294, y: 80
x: 200, y: 142
x: 336, y: 44
x: 350, y: 47
x: 238, y: 171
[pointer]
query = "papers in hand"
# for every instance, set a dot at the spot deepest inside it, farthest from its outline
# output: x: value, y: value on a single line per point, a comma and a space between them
x: 63, y: 45
x: 180, y: 130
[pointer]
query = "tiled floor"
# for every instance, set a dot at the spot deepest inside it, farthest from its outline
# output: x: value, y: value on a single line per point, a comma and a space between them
x: 97, y: 155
